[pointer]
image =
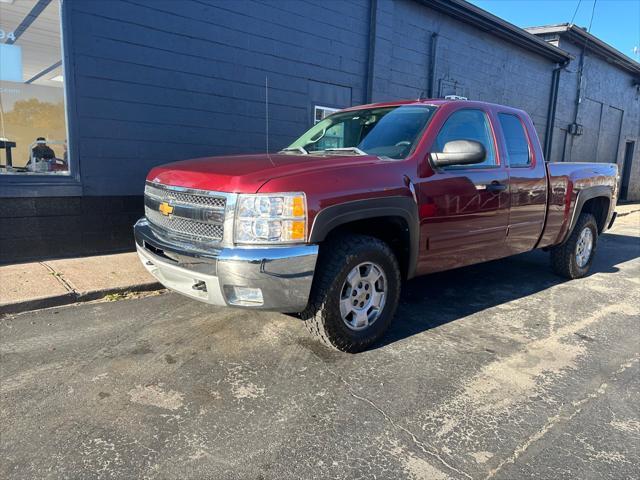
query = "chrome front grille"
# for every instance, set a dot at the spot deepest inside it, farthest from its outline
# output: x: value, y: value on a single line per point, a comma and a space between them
x: 185, y: 214
x: 185, y: 227
x: 185, y: 197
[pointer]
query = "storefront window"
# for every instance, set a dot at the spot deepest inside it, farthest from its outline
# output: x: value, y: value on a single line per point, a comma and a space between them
x: 33, y: 129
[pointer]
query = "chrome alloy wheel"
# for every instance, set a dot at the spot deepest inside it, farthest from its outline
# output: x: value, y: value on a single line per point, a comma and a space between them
x: 363, y: 295
x: 584, y: 247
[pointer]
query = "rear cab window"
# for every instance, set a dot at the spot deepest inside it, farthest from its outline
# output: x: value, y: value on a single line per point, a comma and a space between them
x: 516, y: 141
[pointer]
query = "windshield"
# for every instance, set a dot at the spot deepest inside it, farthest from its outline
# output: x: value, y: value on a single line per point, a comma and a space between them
x: 386, y: 132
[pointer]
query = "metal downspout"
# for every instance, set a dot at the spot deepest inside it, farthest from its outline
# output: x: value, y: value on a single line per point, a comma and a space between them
x: 432, y: 65
x: 371, y: 54
x: 551, y: 111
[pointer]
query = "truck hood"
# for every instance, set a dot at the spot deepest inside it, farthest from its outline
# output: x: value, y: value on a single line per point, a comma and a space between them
x: 247, y: 173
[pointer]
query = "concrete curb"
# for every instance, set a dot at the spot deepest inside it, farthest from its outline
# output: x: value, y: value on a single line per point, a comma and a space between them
x: 624, y: 214
x: 73, y: 297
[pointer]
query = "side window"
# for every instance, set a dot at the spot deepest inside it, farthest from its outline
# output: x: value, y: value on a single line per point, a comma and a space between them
x: 515, y: 140
x: 468, y: 124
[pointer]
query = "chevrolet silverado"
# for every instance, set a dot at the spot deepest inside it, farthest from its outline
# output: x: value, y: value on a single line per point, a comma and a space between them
x: 331, y: 226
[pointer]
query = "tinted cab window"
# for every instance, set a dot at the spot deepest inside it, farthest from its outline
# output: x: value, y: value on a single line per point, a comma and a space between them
x: 468, y: 124
x: 515, y: 139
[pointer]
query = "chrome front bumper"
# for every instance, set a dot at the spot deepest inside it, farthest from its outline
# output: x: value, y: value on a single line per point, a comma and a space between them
x: 283, y: 274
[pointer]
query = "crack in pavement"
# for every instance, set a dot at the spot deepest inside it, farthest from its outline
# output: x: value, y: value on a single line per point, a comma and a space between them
x: 555, y: 420
x: 58, y: 276
x: 429, y: 450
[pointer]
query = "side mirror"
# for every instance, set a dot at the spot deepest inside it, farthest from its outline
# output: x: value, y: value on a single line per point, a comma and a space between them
x: 460, y: 152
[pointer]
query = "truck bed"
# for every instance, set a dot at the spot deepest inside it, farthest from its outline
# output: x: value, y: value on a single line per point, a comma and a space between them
x: 569, y: 183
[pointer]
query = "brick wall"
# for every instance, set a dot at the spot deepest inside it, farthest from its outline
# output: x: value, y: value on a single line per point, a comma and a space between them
x: 36, y: 228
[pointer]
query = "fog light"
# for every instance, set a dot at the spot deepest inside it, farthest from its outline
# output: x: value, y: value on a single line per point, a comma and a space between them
x: 243, y: 295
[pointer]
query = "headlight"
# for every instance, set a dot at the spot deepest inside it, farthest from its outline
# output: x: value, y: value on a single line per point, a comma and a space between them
x: 271, y: 218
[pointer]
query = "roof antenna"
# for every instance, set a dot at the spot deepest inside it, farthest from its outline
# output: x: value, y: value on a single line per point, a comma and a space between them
x: 421, y: 95
x: 266, y: 116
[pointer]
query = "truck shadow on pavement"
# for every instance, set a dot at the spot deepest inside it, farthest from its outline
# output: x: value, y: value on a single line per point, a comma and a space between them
x: 433, y: 300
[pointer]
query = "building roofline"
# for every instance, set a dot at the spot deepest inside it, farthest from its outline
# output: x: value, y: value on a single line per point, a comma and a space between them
x: 580, y: 36
x: 483, y: 20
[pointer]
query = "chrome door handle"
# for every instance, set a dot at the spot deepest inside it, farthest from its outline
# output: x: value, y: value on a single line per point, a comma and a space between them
x: 496, y: 187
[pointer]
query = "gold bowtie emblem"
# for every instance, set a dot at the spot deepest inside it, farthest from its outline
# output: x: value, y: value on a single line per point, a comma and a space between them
x: 165, y: 208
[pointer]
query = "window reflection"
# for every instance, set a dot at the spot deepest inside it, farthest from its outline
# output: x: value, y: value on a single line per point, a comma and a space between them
x: 33, y: 131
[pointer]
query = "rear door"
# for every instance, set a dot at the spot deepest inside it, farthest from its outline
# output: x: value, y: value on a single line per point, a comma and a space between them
x: 464, y: 210
x: 527, y: 180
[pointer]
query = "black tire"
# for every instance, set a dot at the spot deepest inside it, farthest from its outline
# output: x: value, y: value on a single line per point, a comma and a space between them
x: 563, y: 257
x: 337, y: 258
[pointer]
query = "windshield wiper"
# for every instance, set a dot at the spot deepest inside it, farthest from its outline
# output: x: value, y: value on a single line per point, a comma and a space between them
x: 295, y: 149
x: 355, y: 150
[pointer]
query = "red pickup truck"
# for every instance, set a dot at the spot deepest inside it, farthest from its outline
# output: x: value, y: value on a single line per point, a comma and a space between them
x: 371, y: 196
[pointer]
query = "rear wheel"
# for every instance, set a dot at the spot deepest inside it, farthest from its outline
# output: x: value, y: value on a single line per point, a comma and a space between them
x: 573, y: 258
x: 355, y: 293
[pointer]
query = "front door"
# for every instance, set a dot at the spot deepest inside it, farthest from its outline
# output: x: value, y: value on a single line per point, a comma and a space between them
x: 464, y: 210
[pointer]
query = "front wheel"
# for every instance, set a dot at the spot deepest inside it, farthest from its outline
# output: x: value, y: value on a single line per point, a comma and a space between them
x: 355, y: 293
x: 573, y: 258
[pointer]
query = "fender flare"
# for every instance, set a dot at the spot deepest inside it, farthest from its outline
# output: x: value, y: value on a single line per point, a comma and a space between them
x: 406, y: 208
x: 583, y: 196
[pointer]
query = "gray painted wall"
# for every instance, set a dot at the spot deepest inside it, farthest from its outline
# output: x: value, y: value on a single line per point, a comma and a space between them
x: 609, y: 111
x: 162, y: 80
x: 469, y: 62
x: 156, y: 81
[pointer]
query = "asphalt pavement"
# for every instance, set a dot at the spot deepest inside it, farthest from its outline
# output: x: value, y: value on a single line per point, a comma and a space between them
x: 501, y: 370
